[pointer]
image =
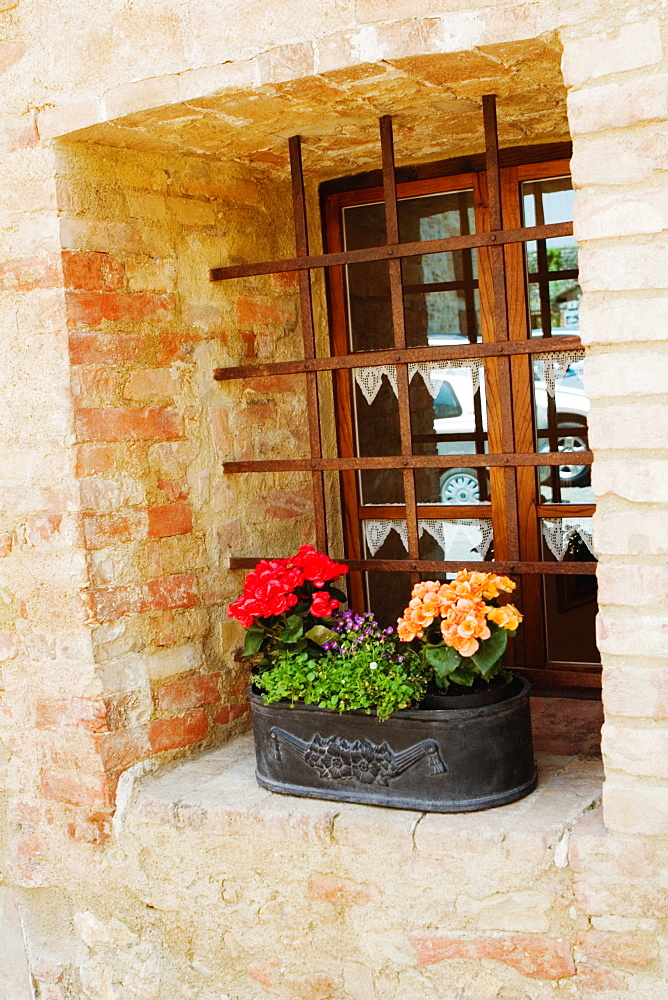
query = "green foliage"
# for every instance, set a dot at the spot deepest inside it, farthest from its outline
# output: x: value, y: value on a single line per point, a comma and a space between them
x: 372, y: 672
x: 451, y: 668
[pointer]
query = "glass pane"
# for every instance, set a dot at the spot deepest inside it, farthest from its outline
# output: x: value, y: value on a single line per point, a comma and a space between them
x: 376, y: 427
x: 449, y: 417
x: 570, y: 601
x: 552, y: 265
x: 440, y: 290
x: 560, y: 411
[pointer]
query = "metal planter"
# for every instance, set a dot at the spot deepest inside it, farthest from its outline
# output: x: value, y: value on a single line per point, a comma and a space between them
x: 447, y: 760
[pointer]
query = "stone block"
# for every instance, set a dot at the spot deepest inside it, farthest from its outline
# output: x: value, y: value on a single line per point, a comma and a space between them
x: 630, y: 156
x: 625, y: 266
x: 85, y: 713
x: 632, y: 46
x: 638, y: 480
x: 635, y: 689
x: 342, y: 892
x: 190, y: 212
x: 629, y: 426
x: 638, y: 808
x: 59, y: 121
x: 533, y: 955
x: 626, y: 212
x: 636, y: 635
x: 635, y: 750
x: 140, y: 95
x: 634, y: 532
x: 619, y: 949
x: 527, y: 910
x: 631, y: 101
x: 101, y: 530
x: 624, y: 319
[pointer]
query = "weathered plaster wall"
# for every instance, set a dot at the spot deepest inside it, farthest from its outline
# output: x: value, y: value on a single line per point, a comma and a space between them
x: 115, y: 527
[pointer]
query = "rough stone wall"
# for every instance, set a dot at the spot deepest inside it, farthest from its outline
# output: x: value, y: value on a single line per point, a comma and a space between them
x: 115, y: 526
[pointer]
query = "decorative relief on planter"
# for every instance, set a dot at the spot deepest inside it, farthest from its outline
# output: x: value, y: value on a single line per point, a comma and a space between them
x: 337, y: 759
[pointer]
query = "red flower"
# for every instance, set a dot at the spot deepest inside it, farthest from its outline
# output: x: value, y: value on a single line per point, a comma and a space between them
x: 323, y: 604
x: 316, y: 566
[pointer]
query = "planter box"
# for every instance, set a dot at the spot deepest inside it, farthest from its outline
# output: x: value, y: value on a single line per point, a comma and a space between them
x: 446, y: 760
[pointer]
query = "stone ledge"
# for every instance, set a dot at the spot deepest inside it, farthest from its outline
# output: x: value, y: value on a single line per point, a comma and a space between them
x: 217, y: 794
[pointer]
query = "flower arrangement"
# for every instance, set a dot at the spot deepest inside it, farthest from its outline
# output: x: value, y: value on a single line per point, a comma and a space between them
x: 463, y: 632
x: 362, y: 667
x: 286, y: 604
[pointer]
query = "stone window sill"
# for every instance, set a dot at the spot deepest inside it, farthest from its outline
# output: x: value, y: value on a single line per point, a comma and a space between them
x: 217, y: 794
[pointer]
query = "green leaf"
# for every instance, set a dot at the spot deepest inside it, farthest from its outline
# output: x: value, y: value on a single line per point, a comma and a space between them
x: 464, y: 677
x: 444, y: 659
x: 490, y: 651
x: 253, y: 640
x: 294, y: 629
x: 338, y: 594
x: 321, y: 635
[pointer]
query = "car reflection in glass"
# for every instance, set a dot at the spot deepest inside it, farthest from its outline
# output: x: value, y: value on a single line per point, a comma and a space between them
x: 454, y: 414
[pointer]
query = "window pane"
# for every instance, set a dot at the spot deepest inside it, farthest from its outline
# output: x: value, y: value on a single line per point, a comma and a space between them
x: 449, y: 417
x: 570, y: 601
x: 560, y: 411
x: 554, y: 292
x: 440, y: 290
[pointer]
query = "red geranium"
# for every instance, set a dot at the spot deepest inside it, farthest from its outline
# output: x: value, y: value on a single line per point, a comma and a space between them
x: 277, y: 585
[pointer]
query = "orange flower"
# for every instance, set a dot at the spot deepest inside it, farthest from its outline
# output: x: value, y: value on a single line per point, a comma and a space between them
x: 507, y: 616
x: 408, y: 630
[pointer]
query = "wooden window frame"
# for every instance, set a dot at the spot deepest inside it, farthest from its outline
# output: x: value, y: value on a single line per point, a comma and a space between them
x: 505, y: 348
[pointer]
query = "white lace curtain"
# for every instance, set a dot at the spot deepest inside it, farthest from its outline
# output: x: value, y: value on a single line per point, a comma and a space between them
x: 433, y: 374
x: 552, y: 367
x: 477, y: 534
x: 559, y: 532
x: 549, y: 368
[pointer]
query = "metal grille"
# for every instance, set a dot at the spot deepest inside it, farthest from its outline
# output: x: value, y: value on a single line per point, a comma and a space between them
x: 503, y: 350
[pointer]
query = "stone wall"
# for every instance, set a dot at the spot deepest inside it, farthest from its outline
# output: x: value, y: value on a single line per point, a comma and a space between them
x: 141, y: 145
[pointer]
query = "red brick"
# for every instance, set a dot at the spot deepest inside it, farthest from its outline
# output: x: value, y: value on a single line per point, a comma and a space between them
x: 286, y: 280
x: 93, y: 308
x: 176, y: 345
x: 35, y: 272
x: 18, y: 133
x: 284, y: 504
x: 342, y: 891
x: 111, y: 603
x: 101, y: 530
x: 191, y: 692
x: 316, y: 986
x: 6, y: 543
x: 228, y: 713
x: 262, y: 974
x: 96, y: 384
x: 28, y: 848
x: 76, y: 788
x: 95, y: 458
x: 127, y: 424
x: 104, y: 348
x: 534, y: 955
x: 170, y: 519
x: 93, y: 828
x: 92, y: 271
x: 176, y: 591
x: 626, y: 949
x: 170, y: 734
x: 83, y: 713
x: 251, y: 309
x: 9, y: 646
x: 121, y: 749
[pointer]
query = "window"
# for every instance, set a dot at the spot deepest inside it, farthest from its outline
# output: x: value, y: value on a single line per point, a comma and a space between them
x: 458, y: 388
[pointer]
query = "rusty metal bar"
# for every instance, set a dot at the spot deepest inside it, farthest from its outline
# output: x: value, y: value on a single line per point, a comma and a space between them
x: 509, y: 568
x: 366, y: 359
x: 498, y: 273
x: 494, y: 460
x: 414, y: 249
x: 308, y: 337
x: 399, y: 332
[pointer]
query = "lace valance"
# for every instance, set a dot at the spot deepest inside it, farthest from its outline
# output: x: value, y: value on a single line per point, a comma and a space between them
x: 477, y: 534
x: 559, y: 533
x: 433, y: 374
